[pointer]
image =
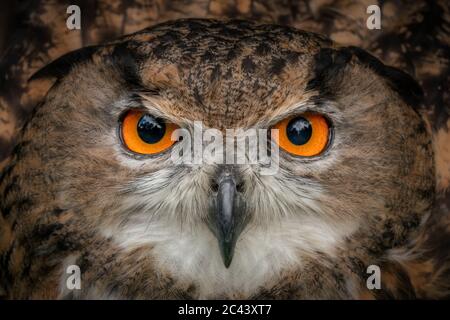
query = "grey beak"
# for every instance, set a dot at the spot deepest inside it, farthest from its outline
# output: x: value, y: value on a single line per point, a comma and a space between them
x: 227, y: 215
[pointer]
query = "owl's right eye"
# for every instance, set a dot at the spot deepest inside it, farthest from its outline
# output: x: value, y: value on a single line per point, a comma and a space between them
x: 146, y: 134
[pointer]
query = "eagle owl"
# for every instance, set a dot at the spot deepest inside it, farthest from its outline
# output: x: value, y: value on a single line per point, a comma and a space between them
x: 92, y: 184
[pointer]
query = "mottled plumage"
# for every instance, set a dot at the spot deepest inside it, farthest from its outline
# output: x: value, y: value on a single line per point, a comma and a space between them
x: 136, y: 227
x: 72, y: 193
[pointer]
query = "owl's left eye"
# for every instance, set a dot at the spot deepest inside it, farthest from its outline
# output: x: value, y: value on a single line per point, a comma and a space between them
x: 305, y: 135
x: 144, y: 133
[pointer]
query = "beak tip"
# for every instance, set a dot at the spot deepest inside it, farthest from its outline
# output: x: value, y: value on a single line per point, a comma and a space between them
x: 227, y: 262
x: 227, y: 254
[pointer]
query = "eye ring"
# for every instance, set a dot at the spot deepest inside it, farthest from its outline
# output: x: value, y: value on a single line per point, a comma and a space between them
x: 143, y: 133
x: 304, y: 135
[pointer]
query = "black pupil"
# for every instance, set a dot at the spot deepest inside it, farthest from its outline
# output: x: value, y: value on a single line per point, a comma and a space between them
x: 299, y: 131
x: 151, y: 129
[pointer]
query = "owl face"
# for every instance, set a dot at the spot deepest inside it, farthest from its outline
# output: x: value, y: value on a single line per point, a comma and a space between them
x: 354, y: 175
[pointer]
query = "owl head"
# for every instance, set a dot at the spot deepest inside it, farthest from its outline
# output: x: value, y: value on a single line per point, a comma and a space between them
x: 354, y: 174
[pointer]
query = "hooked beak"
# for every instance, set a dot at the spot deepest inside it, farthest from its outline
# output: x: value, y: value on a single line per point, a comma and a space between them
x: 227, y: 214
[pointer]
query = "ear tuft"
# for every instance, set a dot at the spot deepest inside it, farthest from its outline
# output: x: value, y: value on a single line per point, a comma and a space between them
x: 405, y: 85
x: 329, y: 63
x: 62, y: 65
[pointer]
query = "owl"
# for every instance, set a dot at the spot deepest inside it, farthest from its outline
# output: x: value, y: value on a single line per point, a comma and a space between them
x: 92, y: 182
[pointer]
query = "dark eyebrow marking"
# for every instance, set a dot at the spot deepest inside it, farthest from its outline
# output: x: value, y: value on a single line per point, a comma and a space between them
x: 327, y: 64
x: 128, y: 60
x: 277, y: 66
x: 247, y: 65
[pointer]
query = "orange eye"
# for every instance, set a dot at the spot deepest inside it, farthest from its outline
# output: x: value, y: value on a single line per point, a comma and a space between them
x: 145, y: 134
x: 304, y: 135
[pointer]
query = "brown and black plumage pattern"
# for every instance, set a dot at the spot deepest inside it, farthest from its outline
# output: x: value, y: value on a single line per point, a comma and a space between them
x: 216, y: 72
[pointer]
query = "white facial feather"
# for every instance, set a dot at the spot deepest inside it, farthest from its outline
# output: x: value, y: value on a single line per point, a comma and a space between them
x: 288, y: 225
